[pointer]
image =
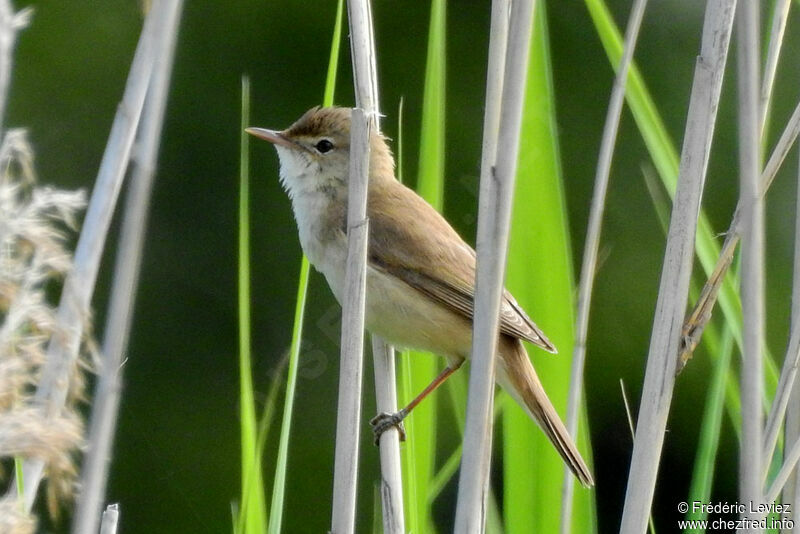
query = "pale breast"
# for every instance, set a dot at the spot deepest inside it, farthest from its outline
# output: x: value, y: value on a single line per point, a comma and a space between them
x: 394, y: 310
x: 408, y: 319
x: 323, y: 241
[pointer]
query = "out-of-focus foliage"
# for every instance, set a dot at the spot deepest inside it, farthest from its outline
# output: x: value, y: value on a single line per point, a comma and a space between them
x: 177, y: 454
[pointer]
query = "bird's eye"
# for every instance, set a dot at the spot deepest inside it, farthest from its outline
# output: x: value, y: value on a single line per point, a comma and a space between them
x: 324, y: 146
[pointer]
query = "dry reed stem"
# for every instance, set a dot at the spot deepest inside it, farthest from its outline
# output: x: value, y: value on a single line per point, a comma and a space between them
x: 362, y: 52
x: 498, y: 42
x: 494, y: 217
x: 785, y: 383
x: 125, y: 282
x: 110, y: 520
x: 363, y: 120
x: 74, y: 307
x: 701, y: 313
x: 699, y: 316
x: 673, y: 292
x: 791, y: 493
x: 779, y: 18
x: 348, y: 422
x: 752, y: 283
x: 790, y: 462
x: 592, y: 246
x: 365, y: 75
x: 391, y: 486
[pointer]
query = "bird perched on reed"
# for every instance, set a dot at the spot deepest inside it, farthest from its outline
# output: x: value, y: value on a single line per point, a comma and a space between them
x: 420, y: 273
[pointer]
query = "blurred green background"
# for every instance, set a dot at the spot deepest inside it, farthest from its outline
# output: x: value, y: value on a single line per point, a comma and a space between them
x: 176, y: 462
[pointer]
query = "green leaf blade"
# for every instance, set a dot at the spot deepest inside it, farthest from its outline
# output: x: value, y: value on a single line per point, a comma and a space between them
x: 253, y: 509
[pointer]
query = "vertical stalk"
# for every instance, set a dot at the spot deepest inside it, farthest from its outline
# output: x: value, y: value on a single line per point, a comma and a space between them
x: 348, y: 423
x: 752, y: 282
x: 592, y: 246
x: 364, y: 119
x: 791, y: 360
x: 779, y: 19
x: 791, y: 492
x: 105, y: 406
x: 494, y: 215
x: 674, y: 289
x: 391, y: 486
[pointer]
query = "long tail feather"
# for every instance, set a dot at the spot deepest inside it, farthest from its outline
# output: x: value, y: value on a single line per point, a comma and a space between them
x: 517, y: 376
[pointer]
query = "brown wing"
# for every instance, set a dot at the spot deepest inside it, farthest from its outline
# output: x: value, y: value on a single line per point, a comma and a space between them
x: 410, y: 246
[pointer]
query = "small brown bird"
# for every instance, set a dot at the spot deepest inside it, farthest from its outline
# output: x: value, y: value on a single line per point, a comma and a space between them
x: 420, y: 273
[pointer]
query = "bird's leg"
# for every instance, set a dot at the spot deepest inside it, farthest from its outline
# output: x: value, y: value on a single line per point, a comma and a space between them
x: 384, y: 421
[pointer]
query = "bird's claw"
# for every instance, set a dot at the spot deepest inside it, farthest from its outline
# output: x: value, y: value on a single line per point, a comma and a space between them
x: 384, y: 421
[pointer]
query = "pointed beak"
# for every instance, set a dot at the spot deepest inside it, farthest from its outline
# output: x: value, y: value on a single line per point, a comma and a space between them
x: 274, y: 137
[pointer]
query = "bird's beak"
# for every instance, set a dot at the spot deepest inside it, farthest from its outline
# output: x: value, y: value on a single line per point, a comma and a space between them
x: 276, y: 138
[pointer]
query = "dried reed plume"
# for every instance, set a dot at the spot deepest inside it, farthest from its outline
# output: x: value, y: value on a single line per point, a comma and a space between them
x: 34, y: 226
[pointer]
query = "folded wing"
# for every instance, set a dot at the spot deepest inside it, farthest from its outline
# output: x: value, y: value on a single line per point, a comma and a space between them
x: 425, y: 252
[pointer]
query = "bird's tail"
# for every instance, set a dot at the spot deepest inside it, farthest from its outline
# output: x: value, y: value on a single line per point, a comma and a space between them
x: 517, y: 376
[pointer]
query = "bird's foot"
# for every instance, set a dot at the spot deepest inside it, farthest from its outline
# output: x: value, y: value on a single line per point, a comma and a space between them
x: 384, y: 421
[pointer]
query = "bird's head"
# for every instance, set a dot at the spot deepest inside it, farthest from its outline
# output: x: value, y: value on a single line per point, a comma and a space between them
x: 314, y: 152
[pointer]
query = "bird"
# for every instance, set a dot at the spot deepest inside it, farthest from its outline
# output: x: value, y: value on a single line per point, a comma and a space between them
x: 420, y: 272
